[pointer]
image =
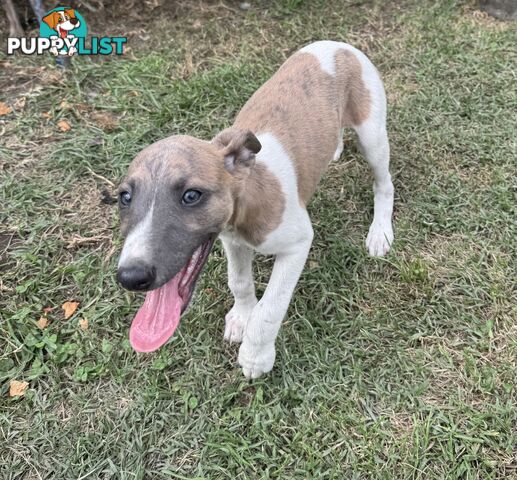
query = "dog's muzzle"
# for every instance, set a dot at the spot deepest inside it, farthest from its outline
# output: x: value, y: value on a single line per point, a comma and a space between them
x: 138, y: 277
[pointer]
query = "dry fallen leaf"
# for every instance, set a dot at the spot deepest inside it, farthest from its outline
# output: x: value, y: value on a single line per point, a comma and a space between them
x: 4, y: 109
x: 64, y: 126
x: 46, y: 115
x: 20, y: 102
x: 69, y: 308
x: 42, y: 323
x: 17, y: 389
x: 83, y: 323
x: 64, y: 105
x: 106, y: 120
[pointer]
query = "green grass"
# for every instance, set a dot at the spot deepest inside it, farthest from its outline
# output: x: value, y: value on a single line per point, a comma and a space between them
x: 403, y: 367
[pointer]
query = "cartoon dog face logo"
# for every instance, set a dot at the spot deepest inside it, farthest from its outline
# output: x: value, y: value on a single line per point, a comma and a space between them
x: 63, y: 22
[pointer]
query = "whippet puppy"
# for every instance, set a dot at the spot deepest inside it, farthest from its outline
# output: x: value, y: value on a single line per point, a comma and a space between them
x: 250, y: 186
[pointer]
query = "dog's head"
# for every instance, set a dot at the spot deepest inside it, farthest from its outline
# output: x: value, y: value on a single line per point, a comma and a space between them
x: 62, y: 21
x: 179, y: 193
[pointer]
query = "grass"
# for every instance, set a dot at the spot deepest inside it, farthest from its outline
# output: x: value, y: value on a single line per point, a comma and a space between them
x: 402, y: 367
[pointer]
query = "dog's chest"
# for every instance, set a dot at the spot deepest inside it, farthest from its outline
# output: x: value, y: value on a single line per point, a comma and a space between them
x: 231, y: 236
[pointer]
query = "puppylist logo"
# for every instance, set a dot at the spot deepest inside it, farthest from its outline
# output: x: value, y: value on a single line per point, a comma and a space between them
x: 63, y: 31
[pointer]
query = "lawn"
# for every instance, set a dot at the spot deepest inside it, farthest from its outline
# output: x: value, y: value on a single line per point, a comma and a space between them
x: 403, y: 367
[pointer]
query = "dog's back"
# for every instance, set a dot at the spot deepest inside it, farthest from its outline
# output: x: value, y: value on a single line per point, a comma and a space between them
x: 318, y: 91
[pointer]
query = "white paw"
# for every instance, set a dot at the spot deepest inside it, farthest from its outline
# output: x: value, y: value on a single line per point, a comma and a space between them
x: 235, y: 323
x: 379, y: 239
x: 256, y: 360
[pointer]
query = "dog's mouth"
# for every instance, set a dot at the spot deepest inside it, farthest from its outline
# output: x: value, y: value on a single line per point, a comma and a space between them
x: 159, y: 316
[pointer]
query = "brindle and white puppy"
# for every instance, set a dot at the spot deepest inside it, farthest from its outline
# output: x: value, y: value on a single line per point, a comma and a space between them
x: 250, y: 186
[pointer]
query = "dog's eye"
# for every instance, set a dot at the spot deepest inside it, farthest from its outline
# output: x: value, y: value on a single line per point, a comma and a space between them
x: 125, y: 198
x: 190, y: 197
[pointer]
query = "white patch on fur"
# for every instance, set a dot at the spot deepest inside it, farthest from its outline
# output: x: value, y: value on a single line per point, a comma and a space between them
x: 379, y: 239
x: 290, y: 242
x: 136, y: 244
x: 256, y: 360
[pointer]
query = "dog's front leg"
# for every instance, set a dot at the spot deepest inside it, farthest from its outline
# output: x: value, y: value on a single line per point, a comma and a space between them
x: 240, y: 281
x: 257, y: 352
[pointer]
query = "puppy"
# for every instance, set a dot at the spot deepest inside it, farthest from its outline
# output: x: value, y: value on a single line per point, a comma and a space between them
x: 250, y: 186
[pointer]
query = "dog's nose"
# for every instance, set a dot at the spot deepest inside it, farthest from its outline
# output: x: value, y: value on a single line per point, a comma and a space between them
x: 74, y: 21
x: 139, y: 277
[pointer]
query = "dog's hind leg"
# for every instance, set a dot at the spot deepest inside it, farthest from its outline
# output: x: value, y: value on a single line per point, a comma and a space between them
x: 240, y: 281
x: 374, y: 143
x: 373, y: 139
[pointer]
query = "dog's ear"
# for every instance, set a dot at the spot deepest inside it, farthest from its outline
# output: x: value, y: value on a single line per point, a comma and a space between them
x: 51, y: 20
x: 239, y: 148
x: 70, y: 12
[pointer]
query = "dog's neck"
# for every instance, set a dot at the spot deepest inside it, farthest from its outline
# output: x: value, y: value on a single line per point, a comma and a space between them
x: 258, y: 205
x: 245, y: 200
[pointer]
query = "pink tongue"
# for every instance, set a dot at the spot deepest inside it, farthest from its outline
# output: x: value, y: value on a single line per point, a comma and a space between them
x: 157, y: 318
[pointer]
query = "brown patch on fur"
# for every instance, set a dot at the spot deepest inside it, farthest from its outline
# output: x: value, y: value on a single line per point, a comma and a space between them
x: 259, y: 207
x: 305, y: 108
x: 356, y: 103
